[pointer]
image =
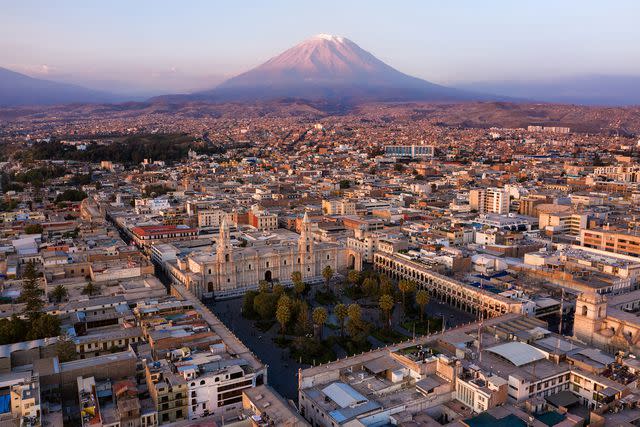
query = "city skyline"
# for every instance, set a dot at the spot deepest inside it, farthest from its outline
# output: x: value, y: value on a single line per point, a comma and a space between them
x: 161, y: 47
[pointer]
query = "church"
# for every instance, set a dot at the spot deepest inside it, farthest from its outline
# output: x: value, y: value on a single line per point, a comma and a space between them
x: 231, y: 270
x: 609, y: 323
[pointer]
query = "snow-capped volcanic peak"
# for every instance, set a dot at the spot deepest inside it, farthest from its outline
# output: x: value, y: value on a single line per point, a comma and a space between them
x: 331, y: 38
x: 328, y: 66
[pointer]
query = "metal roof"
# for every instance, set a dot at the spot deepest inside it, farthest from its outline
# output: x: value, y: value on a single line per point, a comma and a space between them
x: 343, y: 395
x: 518, y: 352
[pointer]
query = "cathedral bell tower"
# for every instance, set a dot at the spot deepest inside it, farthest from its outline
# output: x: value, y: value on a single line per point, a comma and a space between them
x: 305, y: 248
x: 224, y: 257
x: 591, y: 310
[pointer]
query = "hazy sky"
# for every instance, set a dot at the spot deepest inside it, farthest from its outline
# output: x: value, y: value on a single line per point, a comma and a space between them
x: 181, y: 45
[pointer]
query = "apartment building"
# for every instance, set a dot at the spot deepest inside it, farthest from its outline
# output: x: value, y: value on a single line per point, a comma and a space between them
x: 168, y: 390
x: 338, y: 207
x: 210, y: 218
x: 489, y: 200
x: 563, y: 222
x: 612, y: 240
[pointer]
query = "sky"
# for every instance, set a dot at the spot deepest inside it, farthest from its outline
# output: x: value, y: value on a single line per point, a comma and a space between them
x: 180, y: 46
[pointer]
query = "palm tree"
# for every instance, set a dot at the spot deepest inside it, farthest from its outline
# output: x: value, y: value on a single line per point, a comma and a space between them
x: 263, y: 286
x: 91, y: 289
x: 59, y: 293
x: 296, y: 277
x: 341, y: 312
x: 385, y: 285
x: 327, y: 274
x: 422, y: 299
x: 353, y: 277
x: 283, y: 312
x: 319, y: 317
x: 299, y: 288
x: 355, y: 320
x: 386, y: 305
x: 406, y: 286
x: 370, y: 286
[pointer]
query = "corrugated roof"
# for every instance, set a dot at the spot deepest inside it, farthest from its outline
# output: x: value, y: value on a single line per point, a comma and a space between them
x: 343, y: 394
x: 518, y: 352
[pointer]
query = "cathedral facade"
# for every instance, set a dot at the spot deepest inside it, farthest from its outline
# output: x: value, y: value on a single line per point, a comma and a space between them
x: 229, y: 270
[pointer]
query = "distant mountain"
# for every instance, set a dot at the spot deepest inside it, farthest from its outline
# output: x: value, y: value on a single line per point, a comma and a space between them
x: 327, y: 67
x: 20, y: 89
x: 584, y: 90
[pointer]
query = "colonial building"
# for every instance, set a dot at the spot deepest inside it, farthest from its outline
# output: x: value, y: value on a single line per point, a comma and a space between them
x: 611, y: 324
x: 229, y: 270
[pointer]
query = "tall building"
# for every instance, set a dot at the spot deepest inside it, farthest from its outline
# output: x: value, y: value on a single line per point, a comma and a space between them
x: 489, y: 200
x: 409, y: 151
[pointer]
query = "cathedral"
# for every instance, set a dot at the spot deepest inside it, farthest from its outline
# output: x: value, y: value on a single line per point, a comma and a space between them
x: 609, y: 323
x: 230, y: 270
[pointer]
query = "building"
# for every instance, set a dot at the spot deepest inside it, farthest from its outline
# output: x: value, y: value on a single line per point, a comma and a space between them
x: 210, y: 218
x: 20, y: 399
x: 489, y: 200
x: 147, y: 235
x: 338, y: 207
x: 168, y: 390
x: 263, y: 220
x: 230, y: 270
x: 563, y: 222
x: 611, y: 240
x: 409, y: 151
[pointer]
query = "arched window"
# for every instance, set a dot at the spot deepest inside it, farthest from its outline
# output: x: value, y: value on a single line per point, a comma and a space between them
x: 584, y: 310
x: 226, y: 257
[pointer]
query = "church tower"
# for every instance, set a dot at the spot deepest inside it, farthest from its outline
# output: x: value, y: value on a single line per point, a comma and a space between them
x: 591, y: 310
x: 305, y: 248
x: 224, y: 257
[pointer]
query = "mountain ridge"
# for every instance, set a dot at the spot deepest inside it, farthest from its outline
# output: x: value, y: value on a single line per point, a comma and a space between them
x: 18, y: 89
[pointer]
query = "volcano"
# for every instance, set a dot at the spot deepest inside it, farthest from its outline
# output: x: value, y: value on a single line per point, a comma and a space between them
x: 328, y: 67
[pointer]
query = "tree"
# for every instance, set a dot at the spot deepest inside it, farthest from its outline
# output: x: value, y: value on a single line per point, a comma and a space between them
x: 65, y: 349
x: 296, y: 277
x: 278, y: 289
x: 327, y: 274
x: 299, y: 288
x: 247, y: 303
x: 302, y: 323
x: 33, y: 229
x: 319, y: 317
x: 357, y: 329
x: 263, y: 286
x: 264, y: 304
x: 44, y: 326
x: 422, y: 299
x: 370, y: 286
x: 59, y: 293
x: 353, y: 277
x: 341, y: 312
x: 386, y: 305
x: 31, y: 292
x: 386, y: 288
x: 91, y: 289
x: 354, y: 312
x: 283, y: 312
x: 406, y: 286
